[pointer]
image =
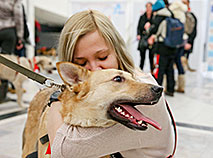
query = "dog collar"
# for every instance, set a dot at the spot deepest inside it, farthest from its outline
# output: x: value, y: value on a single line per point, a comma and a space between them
x: 36, y: 68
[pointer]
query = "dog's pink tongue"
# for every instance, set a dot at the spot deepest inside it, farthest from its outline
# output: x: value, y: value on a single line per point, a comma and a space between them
x: 139, y: 116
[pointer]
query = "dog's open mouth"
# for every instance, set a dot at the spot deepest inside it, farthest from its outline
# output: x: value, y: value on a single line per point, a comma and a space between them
x: 49, y: 71
x: 129, y: 116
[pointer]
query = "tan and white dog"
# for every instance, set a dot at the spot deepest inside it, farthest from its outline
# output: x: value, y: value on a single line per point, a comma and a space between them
x: 91, y: 99
x: 43, y: 63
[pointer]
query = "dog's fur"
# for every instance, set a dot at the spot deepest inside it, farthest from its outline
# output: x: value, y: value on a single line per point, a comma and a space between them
x: 86, y: 101
x: 44, y: 63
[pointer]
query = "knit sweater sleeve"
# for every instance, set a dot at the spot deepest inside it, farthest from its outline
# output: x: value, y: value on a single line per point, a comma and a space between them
x: 19, y: 21
x: 92, y: 142
x: 72, y: 142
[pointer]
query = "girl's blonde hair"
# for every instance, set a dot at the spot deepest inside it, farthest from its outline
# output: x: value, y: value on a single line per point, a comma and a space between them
x: 87, y: 21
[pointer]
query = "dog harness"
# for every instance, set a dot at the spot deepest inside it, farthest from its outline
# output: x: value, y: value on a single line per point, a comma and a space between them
x: 34, y: 66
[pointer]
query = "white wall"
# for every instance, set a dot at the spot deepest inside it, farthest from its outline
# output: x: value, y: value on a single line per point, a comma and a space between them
x: 56, y: 6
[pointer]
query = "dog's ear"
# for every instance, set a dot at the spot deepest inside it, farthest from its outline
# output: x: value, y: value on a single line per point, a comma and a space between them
x: 71, y: 73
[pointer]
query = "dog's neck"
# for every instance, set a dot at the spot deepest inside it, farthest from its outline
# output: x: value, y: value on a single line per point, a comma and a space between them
x: 84, y: 116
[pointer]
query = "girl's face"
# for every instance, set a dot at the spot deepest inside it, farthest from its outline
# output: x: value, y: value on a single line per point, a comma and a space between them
x: 93, y: 53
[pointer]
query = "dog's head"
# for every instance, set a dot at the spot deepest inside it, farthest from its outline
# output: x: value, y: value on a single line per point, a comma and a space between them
x: 45, y: 64
x: 102, y: 98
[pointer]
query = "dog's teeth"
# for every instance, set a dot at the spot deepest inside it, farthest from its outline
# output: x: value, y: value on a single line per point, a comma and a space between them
x: 131, y: 117
x: 140, y: 122
x: 119, y: 109
x: 144, y: 125
x: 127, y: 115
x: 123, y: 113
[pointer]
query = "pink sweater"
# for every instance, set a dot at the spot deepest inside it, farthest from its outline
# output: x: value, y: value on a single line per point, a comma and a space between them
x: 77, y: 142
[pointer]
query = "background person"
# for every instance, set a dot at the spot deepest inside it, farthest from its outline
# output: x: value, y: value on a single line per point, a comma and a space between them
x: 145, y: 20
x: 20, y: 46
x: 164, y: 55
x: 11, y: 32
x: 97, y: 45
x: 179, y: 9
x: 192, y: 35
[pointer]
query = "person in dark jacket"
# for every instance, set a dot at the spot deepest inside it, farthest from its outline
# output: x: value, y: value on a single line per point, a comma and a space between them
x: 164, y: 55
x: 143, y: 24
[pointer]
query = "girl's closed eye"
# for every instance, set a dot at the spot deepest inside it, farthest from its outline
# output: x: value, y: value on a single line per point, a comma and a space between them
x: 103, y: 58
x: 82, y: 64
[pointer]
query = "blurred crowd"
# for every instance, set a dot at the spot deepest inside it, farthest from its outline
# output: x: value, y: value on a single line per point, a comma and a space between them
x: 167, y: 32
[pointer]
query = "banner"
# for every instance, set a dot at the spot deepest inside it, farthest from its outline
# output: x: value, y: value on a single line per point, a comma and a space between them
x: 210, y: 42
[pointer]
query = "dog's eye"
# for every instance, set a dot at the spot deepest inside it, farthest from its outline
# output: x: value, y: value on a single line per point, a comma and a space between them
x: 118, y: 79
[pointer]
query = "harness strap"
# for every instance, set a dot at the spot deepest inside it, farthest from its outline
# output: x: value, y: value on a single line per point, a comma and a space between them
x: 116, y: 155
x: 35, y: 68
x: 33, y: 155
x: 44, y: 139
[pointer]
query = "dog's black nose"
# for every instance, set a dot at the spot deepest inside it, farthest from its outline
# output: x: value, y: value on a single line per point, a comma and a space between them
x: 157, y: 89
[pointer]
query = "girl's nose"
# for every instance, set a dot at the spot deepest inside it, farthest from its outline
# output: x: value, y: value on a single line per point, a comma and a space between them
x: 93, y: 67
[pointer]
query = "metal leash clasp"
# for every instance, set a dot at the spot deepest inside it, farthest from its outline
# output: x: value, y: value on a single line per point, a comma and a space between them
x: 50, y: 83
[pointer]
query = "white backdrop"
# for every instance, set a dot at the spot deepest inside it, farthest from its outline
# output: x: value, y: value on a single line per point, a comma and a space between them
x: 116, y: 11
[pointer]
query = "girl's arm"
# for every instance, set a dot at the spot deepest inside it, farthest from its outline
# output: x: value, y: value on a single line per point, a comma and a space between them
x: 54, y: 120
